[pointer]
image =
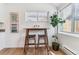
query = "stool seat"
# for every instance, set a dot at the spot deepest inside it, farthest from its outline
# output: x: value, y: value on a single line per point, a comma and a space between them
x: 41, y: 35
x: 31, y: 36
x: 44, y: 38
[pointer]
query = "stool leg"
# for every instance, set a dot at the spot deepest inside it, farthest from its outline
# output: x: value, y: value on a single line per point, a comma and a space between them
x: 25, y: 45
x: 38, y: 44
x: 24, y: 50
x: 35, y: 44
x: 46, y: 41
x: 45, y: 44
x: 47, y: 47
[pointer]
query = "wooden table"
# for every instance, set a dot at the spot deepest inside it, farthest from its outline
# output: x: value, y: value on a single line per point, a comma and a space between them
x: 34, y: 29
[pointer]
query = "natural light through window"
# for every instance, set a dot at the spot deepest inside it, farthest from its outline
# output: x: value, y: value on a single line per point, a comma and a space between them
x: 67, y: 26
x: 71, y: 16
x: 66, y: 15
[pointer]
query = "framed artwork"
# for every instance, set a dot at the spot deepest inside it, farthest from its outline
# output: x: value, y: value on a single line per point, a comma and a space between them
x: 2, y: 27
x: 14, y: 22
x: 14, y: 28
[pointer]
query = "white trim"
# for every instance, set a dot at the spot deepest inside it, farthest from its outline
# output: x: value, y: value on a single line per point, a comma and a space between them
x: 65, y: 6
x: 70, y: 34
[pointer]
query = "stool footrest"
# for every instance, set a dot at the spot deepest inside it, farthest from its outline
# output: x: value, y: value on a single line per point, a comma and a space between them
x: 30, y: 44
x: 42, y: 43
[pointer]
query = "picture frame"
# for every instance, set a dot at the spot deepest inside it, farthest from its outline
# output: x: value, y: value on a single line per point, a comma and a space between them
x: 14, y: 22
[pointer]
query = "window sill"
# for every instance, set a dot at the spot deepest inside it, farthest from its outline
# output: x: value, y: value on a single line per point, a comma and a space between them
x: 70, y: 34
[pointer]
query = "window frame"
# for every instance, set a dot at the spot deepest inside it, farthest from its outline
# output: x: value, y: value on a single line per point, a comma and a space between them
x: 72, y: 21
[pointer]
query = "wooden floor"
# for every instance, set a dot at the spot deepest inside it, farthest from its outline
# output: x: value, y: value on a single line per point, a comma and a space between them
x: 31, y: 51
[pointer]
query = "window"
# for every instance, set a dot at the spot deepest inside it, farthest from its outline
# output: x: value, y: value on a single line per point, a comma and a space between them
x: 77, y: 26
x: 66, y: 15
x: 76, y: 17
x: 71, y: 15
x: 67, y: 26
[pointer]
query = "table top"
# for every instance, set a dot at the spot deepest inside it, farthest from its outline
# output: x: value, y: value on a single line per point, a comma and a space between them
x: 36, y: 28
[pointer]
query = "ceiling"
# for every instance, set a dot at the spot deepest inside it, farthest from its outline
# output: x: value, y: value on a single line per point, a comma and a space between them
x: 59, y: 5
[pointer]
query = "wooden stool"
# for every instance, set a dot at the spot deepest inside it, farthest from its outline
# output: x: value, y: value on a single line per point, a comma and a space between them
x: 27, y: 40
x: 45, y: 41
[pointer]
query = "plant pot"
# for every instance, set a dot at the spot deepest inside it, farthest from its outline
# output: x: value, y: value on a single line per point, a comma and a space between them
x: 55, y: 46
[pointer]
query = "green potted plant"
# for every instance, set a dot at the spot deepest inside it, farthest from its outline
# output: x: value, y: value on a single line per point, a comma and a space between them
x: 55, y: 20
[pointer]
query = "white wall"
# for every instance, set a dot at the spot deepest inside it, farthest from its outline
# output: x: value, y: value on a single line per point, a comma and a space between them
x: 17, y: 39
x: 70, y: 40
x: 2, y: 40
x: 2, y: 19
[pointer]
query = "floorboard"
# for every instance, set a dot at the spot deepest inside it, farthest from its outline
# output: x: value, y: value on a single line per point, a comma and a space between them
x: 31, y: 51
